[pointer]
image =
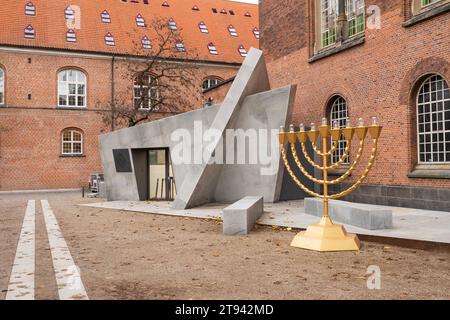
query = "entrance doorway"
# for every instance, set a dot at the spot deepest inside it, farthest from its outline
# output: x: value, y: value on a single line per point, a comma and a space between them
x: 160, y: 175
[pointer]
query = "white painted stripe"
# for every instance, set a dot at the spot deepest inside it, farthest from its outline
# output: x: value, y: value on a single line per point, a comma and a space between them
x: 21, y: 283
x: 68, y: 279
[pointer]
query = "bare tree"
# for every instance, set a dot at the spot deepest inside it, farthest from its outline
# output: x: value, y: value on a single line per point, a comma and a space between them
x: 163, y: 75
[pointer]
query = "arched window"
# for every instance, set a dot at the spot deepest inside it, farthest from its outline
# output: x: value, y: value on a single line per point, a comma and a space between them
x: 2, y: 87
x: 339, y: 114
x: 71, y: 88
x: 146, y: 93
x: 211, y: 82
x: 72, y: 142
x: 433, y: 121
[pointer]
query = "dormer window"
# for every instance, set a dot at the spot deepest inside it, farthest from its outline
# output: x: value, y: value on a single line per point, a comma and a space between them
x: 106, y: 18
x: 256, y: 32
x: 223, y: 11
x: 69, y: 13
x: 179, y: 45
x: 146, y: 43
x: 195, y: 8
x: 140, y: 22
x: 212, y: 49
x: 214, y: 10
x: 29, y: 32
x: 109, y: 40
x: 30, y: 9
x: 165, y: 4
x: 232, y: 31
x: 172, y: 24
x: 71, y: 36
x: 242, y: 51
x: 203, y: 27
x: 247, y: 14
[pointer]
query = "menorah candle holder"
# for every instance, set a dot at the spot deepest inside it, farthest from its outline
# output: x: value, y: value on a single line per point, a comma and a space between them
x: 326, y: 236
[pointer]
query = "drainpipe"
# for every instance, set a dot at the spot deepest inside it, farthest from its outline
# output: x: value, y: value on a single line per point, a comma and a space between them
x: 113, y: 97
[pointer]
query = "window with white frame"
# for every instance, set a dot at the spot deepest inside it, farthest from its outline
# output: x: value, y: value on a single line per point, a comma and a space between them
x: 71, y: 36
x: 69, y: 13
x: 328, y: 14
x: 146, y: 93
x: 355, y: 11
x: 71, y: 89
x: 256, y: 32
x: 242, y: 51
x: 232, y: 30
x: 203, y: 28
x: 172, y: 24
x: 72, y: 142
x: 2, y: 87
x: 339, y: 114
x: 212, y: 49
x: 106, y: 18
x: 210, y: 82
x: 179, y: 45
x: 433, y: 121
x: 146, y: 43
x: 140, y: 21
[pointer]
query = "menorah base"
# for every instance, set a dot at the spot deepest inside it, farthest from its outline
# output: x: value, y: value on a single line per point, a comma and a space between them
x: 326, y: 236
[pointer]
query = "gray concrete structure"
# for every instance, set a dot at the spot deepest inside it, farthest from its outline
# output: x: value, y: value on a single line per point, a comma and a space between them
x: 240, y: 217
x: 250, y: 104
x: 365, y: 216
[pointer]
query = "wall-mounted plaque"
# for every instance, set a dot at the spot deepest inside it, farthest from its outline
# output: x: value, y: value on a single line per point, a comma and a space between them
x: 122, y: 160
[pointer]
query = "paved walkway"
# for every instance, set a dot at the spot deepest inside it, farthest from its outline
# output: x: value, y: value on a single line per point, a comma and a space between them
x: 412, y: 224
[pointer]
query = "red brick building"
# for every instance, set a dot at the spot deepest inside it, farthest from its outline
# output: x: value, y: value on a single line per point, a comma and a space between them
x: 62, y: 62
x: 356, y: 59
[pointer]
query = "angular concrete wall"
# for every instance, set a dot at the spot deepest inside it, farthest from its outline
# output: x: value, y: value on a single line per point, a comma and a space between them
x: 249, y: 105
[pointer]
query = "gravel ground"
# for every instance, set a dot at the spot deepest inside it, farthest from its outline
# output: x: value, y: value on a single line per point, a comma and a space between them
x: 124, y: 255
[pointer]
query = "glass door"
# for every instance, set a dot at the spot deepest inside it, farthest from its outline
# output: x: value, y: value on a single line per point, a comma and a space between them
x: 161, y: 181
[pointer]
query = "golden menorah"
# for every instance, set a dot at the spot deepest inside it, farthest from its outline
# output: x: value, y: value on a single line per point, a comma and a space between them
x: 327, y: 236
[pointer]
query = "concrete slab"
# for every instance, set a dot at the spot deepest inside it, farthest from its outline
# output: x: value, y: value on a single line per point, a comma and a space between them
x: 361, y: 215
x: 240, y: 217
x: 412, y: 224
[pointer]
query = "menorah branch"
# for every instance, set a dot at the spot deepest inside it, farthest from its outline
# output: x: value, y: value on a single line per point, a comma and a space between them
x: 302, y: 169
x: 363, y: 176
x: 332, y: 167
x: 352, y: 167
x: 294, y: 177
x: 328, y: 153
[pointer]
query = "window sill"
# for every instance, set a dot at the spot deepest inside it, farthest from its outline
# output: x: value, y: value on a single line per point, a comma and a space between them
x: 430, y: 172
x: 427, y: 13
x: 339, y: 171
x: 71, y: 108
x: 347, y: 44
x: 72, y: 156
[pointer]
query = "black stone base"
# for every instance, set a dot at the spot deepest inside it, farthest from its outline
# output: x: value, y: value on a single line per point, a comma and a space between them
x: 399, y: 196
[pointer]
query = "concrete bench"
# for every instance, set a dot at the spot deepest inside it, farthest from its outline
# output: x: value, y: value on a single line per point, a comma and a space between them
x: 361, y: 215
x: 240, y: 217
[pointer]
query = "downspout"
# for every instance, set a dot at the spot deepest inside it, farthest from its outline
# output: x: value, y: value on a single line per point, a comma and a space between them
x: 113, y: 97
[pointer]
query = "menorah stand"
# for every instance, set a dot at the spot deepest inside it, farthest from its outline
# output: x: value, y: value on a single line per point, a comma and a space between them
x: 326, y: 236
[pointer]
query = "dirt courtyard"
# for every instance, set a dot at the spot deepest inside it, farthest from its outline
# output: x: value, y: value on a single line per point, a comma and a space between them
x: 125, y: 255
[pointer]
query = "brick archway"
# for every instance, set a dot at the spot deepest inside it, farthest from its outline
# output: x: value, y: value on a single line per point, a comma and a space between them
x: 408, y: 93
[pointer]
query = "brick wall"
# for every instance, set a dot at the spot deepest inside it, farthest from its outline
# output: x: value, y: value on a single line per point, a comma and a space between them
x: 31, y: 126
x: 377, y: 78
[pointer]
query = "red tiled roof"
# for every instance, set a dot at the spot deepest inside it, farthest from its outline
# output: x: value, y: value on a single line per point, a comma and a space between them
x: 50, y: 27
